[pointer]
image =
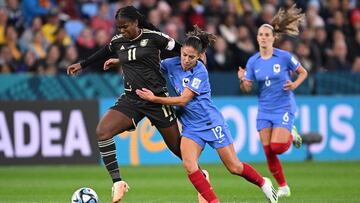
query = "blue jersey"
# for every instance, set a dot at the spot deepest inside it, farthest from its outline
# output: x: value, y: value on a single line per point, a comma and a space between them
x: 200, y: 113
x: 271, y: 75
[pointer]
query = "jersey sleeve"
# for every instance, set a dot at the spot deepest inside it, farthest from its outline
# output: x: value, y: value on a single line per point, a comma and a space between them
x: 198, y: 83
x: 249, y: 74
x: 164, y: 42
x: 163, y: 66
x: 293, y: 63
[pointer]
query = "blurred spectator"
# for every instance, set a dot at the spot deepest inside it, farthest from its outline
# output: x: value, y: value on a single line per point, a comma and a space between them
x: 214, y: 10
x: 219, y: 57
x: 320, y: 41
x: 102, y: 20
x: 313, y: 18
x: 355, y: 19
x: 354, y: 46
x: 71, y: 56
x: 6, y: 68
x: 172, y: 30
x: 338, y: 23
x: 6, y: 57
x: 165, y: 11
x: 244, y: 46
x: 155, y: 18
x: 146, y: 6
x: 356, y: 65
x: 85, y: 43
x: 15, y: 16
x: 303, y: 53
x: 3, y: 23
x: 286, y: 44
x: 228, y: 29
x: 12, y: 42
x: 338, y: 61
x: 266, y: 15
x: 38, y: 45
x: 28, y: 35
x: 33, y: 8
x: 70, y: 8
x: 190, y: 16
x: 53, y: 56
x: 62, y: 40
x: 51, y: 25
x: 28, y: 63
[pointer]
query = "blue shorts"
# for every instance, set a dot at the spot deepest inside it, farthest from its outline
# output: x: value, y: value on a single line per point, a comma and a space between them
x: 217, y: 137
x: 279, y: 120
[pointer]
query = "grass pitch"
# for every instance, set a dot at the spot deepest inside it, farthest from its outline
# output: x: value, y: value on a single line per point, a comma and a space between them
x: 309, y: 181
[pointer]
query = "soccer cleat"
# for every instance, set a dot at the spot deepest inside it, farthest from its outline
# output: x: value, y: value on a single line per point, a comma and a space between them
x: 284, y: 191
x: 269, y: 191
x: 200, y: 197
x: 297, y: 140
x: 118, y: 191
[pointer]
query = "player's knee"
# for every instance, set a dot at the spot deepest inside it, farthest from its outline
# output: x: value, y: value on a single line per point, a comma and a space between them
x: 190, y: 166
x: 279, y: 148
x: 235, y: 168
x: 102, y: 133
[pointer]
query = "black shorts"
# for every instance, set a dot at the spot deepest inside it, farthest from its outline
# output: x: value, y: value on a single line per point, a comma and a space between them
x: 161, y: 116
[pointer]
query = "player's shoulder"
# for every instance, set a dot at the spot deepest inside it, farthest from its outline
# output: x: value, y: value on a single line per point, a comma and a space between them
x: 173, y: 60
x: 154, y: 33
x: 200, y: 68
x: 281, y: 52
x: 117, y: 38
x: 254, y: 57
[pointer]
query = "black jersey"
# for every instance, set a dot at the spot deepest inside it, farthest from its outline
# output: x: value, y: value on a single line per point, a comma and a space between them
x: 140, y: 60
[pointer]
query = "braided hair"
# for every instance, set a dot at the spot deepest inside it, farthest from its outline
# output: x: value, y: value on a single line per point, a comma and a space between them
x: 131, y: 13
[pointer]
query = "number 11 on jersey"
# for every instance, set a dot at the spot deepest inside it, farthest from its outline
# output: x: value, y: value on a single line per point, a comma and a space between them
x: 132, y: 54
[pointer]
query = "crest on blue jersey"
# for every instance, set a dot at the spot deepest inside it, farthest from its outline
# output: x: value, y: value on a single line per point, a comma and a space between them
x: 144, y: 42
x: 276, y: 68
x: 185, y: 81
x: 196, y: 83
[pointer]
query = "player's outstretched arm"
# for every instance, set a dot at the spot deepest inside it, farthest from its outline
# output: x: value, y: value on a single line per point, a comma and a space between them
x: 111, y: 63
x: 182, y: 100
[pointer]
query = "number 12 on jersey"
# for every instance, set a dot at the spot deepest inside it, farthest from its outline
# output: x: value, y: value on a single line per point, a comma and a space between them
x: 132, y: 54
x: 218, y: 132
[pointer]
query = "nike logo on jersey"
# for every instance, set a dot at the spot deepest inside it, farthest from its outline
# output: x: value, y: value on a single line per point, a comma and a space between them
x: 257, y: 70
x: 222, y: 140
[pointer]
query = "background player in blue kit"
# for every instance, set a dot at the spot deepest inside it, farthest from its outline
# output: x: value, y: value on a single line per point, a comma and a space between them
x: 272, y: 68
x: 201, y: 121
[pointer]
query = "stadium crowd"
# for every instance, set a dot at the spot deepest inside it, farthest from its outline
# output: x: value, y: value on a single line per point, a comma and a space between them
x: 45, y: 36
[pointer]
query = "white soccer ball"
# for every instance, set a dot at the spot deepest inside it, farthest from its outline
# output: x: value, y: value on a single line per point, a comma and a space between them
x: 84, y: 195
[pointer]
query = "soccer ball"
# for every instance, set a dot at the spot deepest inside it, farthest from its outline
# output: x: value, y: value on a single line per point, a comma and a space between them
x: 84, y: 195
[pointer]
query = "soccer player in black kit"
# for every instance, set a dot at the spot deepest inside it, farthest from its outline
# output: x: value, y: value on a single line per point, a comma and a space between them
x: 137, y: 47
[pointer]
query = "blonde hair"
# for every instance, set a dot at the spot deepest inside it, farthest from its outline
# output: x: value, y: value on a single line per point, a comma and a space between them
x: 286, y: 21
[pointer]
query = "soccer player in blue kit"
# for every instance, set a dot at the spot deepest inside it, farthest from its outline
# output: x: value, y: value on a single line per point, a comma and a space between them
x: 201, y: 121
x: 271, y: 68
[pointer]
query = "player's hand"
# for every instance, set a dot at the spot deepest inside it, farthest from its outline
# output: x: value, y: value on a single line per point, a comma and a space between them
x: 290, y: 85
x: 146, y: 94
x: 241, y: 73
x: 73, y: 69
x: 111, y: 62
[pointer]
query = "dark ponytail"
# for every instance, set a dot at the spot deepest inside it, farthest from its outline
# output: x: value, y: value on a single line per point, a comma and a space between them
x: 131, y: 13
x: 199, y: 39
